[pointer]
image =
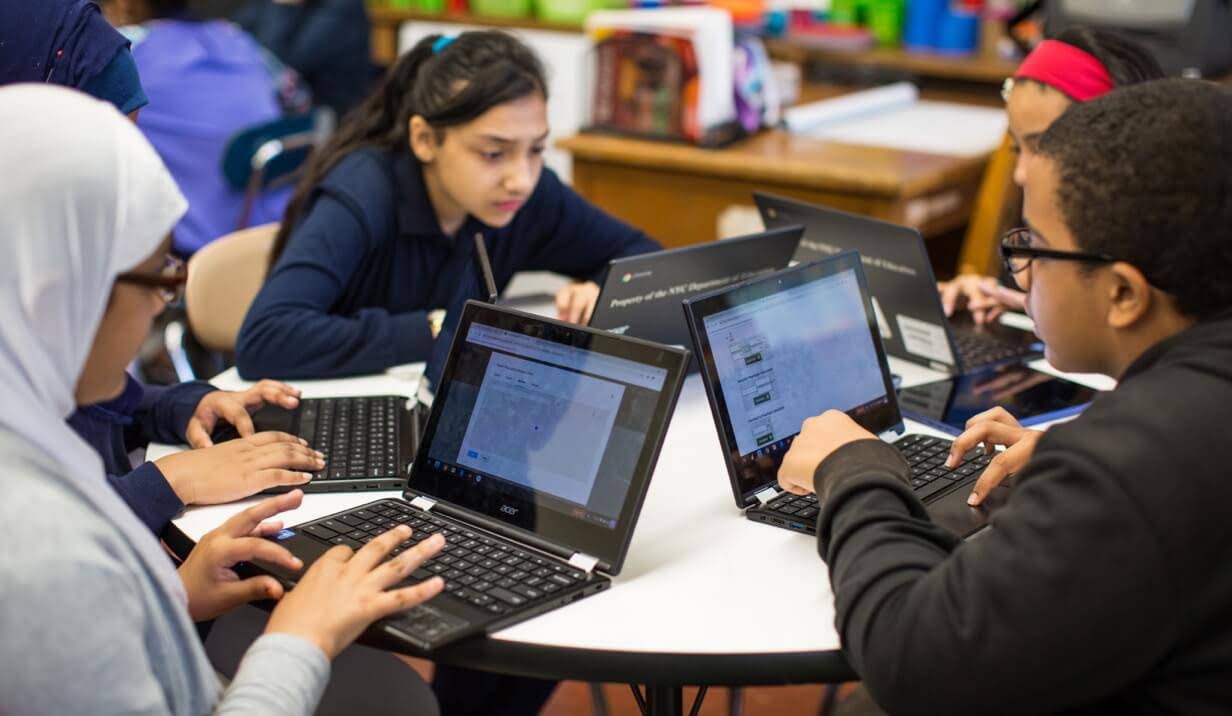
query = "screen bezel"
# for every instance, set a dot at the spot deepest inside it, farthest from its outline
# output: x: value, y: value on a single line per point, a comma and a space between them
x: 603, y: 316
x: 888, y: 417
x: 553, y: 529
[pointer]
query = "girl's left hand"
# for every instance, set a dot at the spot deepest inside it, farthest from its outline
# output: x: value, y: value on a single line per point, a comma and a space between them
x: 576, y: 301
x: 235, y: 407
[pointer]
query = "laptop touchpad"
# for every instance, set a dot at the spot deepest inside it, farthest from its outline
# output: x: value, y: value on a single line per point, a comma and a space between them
x: 953, y: 513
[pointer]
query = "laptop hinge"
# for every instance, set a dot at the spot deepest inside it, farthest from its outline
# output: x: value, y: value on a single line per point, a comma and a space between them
x: 584, y: 562
x: 423, y: 503
x: 766, y: 495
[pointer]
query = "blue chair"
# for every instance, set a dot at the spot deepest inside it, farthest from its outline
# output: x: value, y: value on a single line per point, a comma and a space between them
x: 272, y: 152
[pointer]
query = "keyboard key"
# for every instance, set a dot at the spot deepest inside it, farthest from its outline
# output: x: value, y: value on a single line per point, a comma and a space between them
x: 321, y: 531
x: 528, y: 592
x: 933, y: 488
x: 507, y: 596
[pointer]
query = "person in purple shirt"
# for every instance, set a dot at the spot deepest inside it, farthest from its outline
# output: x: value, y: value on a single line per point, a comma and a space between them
x: 378, y: 236
x: 206, y: 80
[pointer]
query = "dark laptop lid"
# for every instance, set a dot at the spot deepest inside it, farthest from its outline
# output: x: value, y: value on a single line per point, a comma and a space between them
x: 546, y: 431
x: 785, y: 347
x: 910, y: 317
x: 642, y: 294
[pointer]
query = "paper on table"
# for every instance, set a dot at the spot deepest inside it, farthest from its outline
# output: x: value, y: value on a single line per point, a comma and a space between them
x: 932, y: 127
x: 805, y: 118
x: 893, y: 116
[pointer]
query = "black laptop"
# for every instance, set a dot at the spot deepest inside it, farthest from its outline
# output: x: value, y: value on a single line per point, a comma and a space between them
x: 910, y: 317
x: 642, y: 294
x: 534, y: 463
x: 368, y: 441
x: 785, y: 347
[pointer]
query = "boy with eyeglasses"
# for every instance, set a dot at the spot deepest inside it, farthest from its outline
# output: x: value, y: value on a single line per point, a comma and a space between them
x: 1101, y: 586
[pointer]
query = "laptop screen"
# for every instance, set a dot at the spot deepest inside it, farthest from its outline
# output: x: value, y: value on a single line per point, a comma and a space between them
x: 908, y: 309
x: 642, y: 294
x: 548, y: 428
x: 780, y: 349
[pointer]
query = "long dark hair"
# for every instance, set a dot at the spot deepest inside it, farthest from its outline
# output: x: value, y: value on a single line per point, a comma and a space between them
x: 447, y: 82
x: 1127, y: 62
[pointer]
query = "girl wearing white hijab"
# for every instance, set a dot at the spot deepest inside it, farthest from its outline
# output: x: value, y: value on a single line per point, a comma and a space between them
x: 95, y: 617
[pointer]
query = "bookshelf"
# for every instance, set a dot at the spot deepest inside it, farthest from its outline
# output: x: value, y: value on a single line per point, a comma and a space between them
x: 966, y: 68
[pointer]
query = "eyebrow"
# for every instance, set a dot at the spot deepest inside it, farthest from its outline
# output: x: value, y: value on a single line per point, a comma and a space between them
x: 506, y: 140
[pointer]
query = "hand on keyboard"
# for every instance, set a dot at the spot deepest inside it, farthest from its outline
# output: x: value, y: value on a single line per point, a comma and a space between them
x: 819, y: 437
x: 210, y: 580
x: 235, y: 407
x: 992, y: 428
x: 344, y: 590
x: 239, y: 468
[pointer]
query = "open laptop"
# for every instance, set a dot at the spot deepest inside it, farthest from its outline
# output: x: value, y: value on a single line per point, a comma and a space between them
x: 910, y: 316
x: 779, y: 349
x: 534, y: 463
x: 368, y: 441
x: 641, y: 294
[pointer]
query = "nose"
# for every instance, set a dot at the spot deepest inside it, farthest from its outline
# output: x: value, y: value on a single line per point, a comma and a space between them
x: 520, y: 178
x: 1020, y: 169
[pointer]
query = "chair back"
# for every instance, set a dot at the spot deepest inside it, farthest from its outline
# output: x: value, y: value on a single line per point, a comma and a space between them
x: 223, y: 280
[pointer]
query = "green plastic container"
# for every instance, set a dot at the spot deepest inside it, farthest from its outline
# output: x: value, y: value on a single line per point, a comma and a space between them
x: 501, y: 8
x: 573, y: 11
x: 432, y: 6
x: 885, y: 21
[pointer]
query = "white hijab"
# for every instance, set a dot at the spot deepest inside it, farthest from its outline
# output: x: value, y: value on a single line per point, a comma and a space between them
x: 83, y: 198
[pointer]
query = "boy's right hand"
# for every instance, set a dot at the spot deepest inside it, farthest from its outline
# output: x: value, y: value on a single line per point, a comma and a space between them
x: 239, y: 468
x: 992, y: 428
x: 345, y: 591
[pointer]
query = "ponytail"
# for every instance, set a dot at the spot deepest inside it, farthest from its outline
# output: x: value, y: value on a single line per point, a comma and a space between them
x: 448, y: 83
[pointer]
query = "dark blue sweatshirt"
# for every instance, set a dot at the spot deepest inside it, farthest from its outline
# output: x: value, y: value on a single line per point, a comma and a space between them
x: 136, y: 418
x: 326, y: 41
x: 351, y: 292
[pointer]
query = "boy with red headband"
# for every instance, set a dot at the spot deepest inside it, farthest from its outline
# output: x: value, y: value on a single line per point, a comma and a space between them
x: 1080, y: 65
x: 1101, y: 586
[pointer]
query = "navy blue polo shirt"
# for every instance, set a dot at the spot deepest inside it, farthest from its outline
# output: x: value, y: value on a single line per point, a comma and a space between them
x: 138, y: 416
x: 351, y: 292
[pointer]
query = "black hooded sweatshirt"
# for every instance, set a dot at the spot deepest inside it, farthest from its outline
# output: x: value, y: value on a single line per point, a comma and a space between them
x: 1103, y: 586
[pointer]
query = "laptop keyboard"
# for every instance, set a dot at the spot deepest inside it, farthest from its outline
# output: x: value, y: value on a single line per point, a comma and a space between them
x: 359, y: 436
x: 929, y: 475
x: 488, y: 573
x: 978, y: 349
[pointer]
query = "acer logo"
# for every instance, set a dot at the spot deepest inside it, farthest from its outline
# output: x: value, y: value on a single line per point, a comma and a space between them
x: 511, y: 511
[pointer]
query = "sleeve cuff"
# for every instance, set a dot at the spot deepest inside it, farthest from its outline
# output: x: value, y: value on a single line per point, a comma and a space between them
x: 151, y: 497
x: 184, y: 399
x: 414, y: 340
x: 871, y: 457
x: 280, y: 674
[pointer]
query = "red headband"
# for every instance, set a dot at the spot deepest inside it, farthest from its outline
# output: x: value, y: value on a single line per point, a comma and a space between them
x: 1067, y: 69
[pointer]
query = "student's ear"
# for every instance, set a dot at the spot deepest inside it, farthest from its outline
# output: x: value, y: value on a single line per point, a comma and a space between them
x: 1130, y: 295
x: 423, y: 140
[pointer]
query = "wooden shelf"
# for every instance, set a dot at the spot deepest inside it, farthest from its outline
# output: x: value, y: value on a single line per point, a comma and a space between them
x: 387, y: 20
x: 974, y: 68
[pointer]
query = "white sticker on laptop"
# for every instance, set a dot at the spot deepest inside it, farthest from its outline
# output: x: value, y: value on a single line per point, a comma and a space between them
x: 924, y: 339
x: 882, y: 324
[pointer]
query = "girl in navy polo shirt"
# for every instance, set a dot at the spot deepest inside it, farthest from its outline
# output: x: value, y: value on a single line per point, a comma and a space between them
x: 379, y: 232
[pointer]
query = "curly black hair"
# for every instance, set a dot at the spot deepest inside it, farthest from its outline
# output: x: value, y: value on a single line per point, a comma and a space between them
x: 1145, y: 175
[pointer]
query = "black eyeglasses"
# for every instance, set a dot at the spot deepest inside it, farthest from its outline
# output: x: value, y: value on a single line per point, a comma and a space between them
x: 169, y: 282
x: 1017, y: 253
